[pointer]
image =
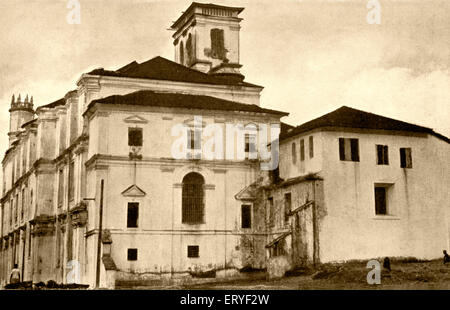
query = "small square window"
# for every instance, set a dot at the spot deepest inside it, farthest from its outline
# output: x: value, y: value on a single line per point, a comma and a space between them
x: 132, y: 254
x: 135, y: 136
x: 192, y: 251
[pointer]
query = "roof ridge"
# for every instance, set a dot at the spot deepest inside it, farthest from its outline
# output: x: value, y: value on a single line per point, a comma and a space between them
x: 181, y: 100
x: 348, y: 117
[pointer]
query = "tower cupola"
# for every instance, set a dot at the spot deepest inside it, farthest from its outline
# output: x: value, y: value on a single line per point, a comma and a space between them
x: 19, y: 113
x: 206, y: 38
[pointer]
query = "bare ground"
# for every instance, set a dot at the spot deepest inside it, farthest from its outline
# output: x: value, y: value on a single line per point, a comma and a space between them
x: 406, y: 273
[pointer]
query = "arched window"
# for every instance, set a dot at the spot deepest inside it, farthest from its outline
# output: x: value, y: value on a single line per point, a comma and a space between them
x: 181, y: 53
x: 193, y: 204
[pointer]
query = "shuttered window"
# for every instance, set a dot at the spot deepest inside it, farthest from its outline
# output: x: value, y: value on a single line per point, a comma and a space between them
x: 405, y: 157
x: 348, y: 149
x: 382, y: 155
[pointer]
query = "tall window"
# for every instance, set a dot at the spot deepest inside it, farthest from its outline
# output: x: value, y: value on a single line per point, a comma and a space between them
x: 311, y: 146
x: 287, y: 206
x: 24, y: 157
x: 133, y: 214
x: 13, y: 173
x: 382, y: 155
x: 193, y: 199
x: 194, y: 139
x: 29, y: 242
x: 135, y: 136
x: 189, y: 51
x: 218, y: 50
x: 294, y: 153
x: 60, y: 187
x: 181, y: 53
x: 11, y: 212
x: 302, y: 150
x: 22, y: 207
x: 271, y: 211
x: 16, y: 209
x: 380, y: 200
x: 250, y: 146
x: 348, y: 149
x: 405, y: 157
x: 246, y: 212
x: 31, y: 202
x: 71, y: 180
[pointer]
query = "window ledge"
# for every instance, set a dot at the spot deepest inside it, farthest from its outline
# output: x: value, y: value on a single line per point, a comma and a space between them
x: 385, y: 217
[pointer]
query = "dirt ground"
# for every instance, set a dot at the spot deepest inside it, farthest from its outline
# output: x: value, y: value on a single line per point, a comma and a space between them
x: 406, y: 273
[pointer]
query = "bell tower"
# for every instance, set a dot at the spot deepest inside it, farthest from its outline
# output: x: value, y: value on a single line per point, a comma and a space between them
x: 206, y: 39
x: 19, y: 113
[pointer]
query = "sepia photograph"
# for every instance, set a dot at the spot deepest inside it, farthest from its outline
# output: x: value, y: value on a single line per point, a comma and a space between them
x: 236, y: 146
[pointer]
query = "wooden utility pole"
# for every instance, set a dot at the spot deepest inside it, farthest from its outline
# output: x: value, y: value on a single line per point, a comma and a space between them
x: 99, y: 244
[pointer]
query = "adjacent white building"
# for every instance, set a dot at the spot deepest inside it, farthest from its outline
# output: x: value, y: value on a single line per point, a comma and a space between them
x: 379, y: 187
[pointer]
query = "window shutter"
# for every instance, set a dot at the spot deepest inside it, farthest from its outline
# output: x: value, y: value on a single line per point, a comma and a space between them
x: 355, y: 149
x: 408, y: 158
x: 341, y: 149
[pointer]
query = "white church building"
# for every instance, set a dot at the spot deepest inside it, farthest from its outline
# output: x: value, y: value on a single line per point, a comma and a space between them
x: 93, y: 193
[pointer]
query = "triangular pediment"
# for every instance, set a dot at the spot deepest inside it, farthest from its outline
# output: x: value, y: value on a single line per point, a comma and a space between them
x: 135, y: 119
x: 247, y: 193
x: 133, y: 191
x: 191, y: 123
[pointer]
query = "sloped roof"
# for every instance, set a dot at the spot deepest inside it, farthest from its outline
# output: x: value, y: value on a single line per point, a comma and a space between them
x: 160, y: 68
x: 54, y: 104
x: 28, y: 123
x: 346, y: 117
x: 176, y: 100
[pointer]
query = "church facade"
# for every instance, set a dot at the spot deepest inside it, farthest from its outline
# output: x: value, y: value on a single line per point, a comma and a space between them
x: 95, y: 190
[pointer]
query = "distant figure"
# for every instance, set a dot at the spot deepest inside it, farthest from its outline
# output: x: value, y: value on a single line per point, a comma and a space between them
x: 446, y: 257
x: 387, y: 263
x: 15, y: 275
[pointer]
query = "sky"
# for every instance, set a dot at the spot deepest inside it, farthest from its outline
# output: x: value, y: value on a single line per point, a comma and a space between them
x: 311, y: 56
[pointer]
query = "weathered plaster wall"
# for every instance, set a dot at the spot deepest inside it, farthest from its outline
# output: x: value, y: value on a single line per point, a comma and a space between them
x: 418, y: 199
